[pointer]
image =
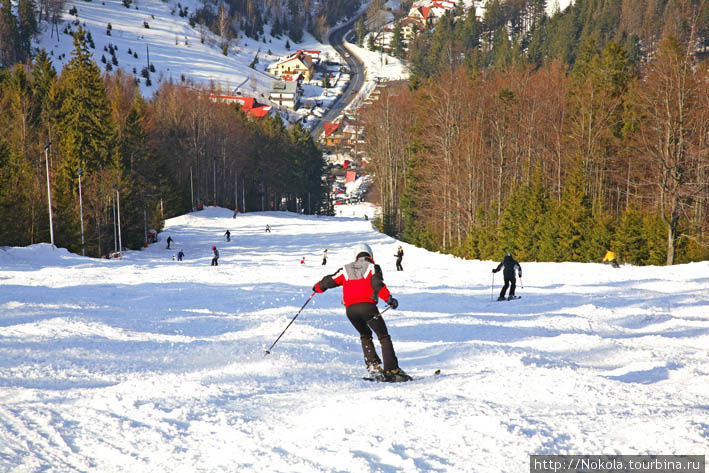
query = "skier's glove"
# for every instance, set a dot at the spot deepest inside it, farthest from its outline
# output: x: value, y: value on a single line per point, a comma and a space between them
x: 393, y: 303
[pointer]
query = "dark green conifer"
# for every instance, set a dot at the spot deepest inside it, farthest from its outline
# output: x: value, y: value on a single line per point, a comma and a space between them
x: 574, y: 217
x: 86, y: 135
x: 629, y: 239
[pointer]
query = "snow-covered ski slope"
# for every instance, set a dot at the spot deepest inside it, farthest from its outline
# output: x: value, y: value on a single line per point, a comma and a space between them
x: 152, y: 365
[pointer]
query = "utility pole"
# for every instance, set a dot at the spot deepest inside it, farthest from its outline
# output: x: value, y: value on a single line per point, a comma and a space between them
x: 214, y: 166
x: 49, y: 192
x: 115, y: 237
x: 118, y: 204
x: 191, y: 192
x: 145, y: 226
x: 81, y: 215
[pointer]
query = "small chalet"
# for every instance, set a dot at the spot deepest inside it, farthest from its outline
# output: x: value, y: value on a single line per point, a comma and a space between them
x: 424, y: 12
x: 285, y: 93
x: 333, y: 133
x: 409, y: 29
x: 300, y: 62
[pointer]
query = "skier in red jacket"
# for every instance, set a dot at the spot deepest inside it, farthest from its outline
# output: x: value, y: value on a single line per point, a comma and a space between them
x: 362, y: 286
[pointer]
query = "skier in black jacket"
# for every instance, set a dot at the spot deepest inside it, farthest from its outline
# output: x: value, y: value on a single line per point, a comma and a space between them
x: 399, y: 256
x: 510, y: 266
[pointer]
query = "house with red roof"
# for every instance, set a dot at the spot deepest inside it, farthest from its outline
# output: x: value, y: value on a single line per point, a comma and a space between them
x: 333, y: 133
x: 249, y: 105
x: 300, y: 62
x: 430, y: 11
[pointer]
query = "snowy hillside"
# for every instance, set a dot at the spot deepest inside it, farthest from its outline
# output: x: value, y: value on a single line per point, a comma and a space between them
x: 152, y: 365
x: 175, y: 48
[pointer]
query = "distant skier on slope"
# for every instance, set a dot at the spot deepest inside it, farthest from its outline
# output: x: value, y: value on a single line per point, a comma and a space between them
x: 169, y: 240
x: 362, y: 286
x: 510, y: 266
x: 215, y: 258
x: 227, y: 234
x: 180, y: 255
x: 324, y: 257
x: 399, y: 256
x: 268, y: 228
x: 611, y: 258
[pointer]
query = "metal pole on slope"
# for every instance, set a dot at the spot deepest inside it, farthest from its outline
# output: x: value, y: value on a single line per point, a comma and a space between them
x: 118, y: 205
x: 81, y: 216
x: 192, y: 206
x: 49, y: 192
x: 268, y: 352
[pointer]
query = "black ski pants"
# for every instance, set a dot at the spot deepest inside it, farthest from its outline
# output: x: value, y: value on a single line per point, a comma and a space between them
x: 398, y: 264
x: 365, y: 317
x: 511, y: 282
x: 215, y: 262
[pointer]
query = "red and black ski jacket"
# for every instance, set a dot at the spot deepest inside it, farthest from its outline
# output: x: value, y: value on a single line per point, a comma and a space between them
x: 361, y: 281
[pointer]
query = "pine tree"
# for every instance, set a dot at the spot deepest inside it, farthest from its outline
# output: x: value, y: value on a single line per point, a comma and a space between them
x: 600, y: 235
x: 574, y: 217
x: 86, y: 134
x: 655, y: 233
x: 17, y: 180
x: 361, y: 31
x: 276, y: 29
x: 12, y: 204
x: 370, y: 42
x: 550, y: 234
x: 629, y: 239
x: 27, y: 24
x: 9, y: 35
x: 86, y: 124
x: 397, y: 46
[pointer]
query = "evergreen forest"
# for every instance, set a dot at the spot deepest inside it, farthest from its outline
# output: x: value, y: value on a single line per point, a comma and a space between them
x: 108, y: 148
x: 554, y: 138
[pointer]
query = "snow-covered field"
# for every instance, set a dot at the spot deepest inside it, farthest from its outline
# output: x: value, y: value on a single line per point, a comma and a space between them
x: 146, y: 364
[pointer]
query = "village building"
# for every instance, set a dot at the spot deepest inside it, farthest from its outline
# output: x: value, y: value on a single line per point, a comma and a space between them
x: 248, y: 105
x: 426, y: 12
x: 333, y: 134
x: 285, y: 93
x: 409, y: 29
x: 300, y: 62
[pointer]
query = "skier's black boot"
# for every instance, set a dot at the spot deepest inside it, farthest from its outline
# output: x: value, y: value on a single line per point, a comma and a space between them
x: 396, y: 376
x: 501, y: 298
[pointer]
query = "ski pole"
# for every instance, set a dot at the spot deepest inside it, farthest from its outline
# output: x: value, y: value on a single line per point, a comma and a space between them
x: 385, y: 309
x: 268, y: 352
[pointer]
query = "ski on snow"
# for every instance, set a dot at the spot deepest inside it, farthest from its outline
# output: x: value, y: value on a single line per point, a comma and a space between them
x: 380, y: 379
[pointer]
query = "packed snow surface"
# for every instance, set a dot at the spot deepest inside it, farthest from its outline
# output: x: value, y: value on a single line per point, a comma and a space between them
x: 147, y: 364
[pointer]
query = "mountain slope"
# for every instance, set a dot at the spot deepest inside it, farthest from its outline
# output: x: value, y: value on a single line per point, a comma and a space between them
x: 148, y: 364
x: 174, y: 47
